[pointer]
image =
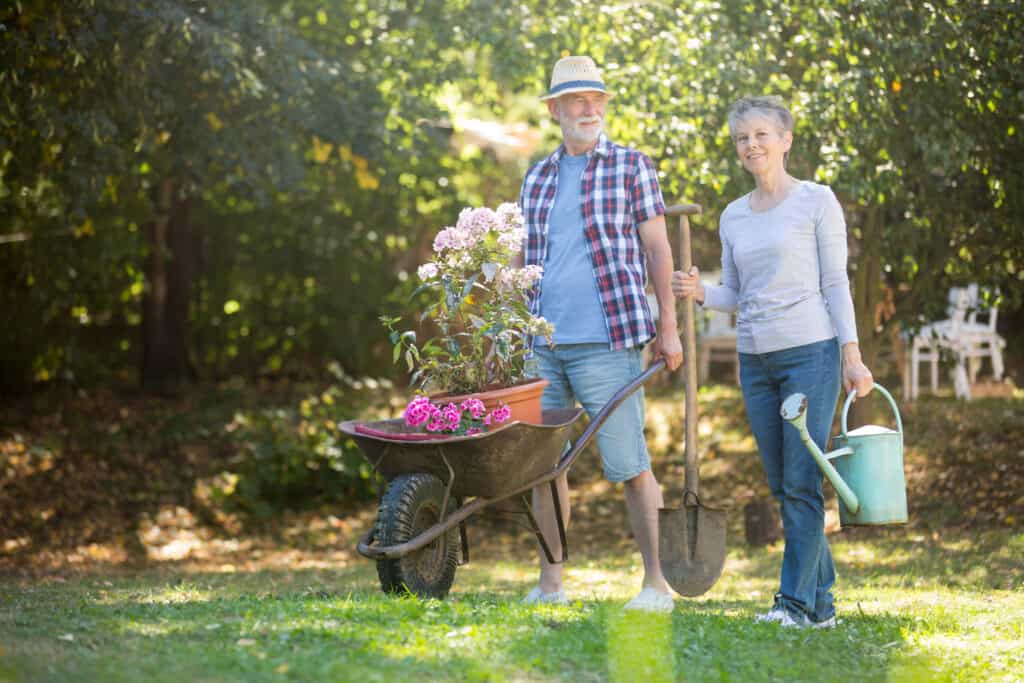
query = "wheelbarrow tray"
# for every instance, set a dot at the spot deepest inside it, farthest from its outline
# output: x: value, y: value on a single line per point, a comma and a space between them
x: 488, y: 465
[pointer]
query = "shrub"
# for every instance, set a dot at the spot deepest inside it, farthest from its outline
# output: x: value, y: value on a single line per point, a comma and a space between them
x: 296, y: 457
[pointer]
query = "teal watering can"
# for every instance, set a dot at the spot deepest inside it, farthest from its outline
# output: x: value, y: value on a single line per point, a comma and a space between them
x: 866, y: 467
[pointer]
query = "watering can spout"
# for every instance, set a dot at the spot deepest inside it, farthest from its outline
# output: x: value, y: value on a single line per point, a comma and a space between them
x: 794, y: 411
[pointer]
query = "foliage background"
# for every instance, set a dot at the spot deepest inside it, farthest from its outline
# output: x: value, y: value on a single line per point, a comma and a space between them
x: 314, y: 147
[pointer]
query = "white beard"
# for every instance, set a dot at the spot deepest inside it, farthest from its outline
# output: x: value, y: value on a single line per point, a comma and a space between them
x: 573, y: 131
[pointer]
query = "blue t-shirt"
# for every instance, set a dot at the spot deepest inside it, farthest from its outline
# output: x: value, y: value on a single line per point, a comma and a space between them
x: 569, y: 298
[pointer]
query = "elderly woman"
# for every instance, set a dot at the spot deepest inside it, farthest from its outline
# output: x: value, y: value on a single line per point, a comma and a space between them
x: 784, y: 271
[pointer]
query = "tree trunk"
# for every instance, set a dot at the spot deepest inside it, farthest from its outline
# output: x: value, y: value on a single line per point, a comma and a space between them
x: 170, y: 273
x: 867, y: 294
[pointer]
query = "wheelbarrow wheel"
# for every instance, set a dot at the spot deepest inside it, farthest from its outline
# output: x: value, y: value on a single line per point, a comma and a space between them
x: 411, y: 505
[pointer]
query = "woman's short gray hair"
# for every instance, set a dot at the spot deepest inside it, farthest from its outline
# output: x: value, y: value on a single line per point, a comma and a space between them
x: 770, y: 105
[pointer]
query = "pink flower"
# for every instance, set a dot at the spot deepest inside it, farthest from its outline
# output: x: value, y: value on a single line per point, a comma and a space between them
x: 528, y: 275
x: 500, y: 414
x: 452, y: 416
x: 510, y: 216
x: 471, y: 431
x: 475, y: 223
x: 513, y: 239
x: 418, y: 411
x: 437, y: 422
x: 445, y: 239
x: 474, y: 407
x: 428, y: 271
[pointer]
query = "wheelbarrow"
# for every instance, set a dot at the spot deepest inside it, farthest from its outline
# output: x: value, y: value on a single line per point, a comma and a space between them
x: 435, y: 485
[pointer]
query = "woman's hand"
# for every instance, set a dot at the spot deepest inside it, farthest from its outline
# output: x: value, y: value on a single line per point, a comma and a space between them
x: 688, y: 284
x: 855, y: 374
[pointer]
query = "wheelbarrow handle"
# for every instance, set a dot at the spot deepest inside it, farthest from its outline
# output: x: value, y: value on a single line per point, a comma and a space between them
x: 598, y: 420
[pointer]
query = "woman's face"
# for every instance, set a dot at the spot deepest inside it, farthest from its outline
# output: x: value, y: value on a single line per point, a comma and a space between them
x: 761, y: 143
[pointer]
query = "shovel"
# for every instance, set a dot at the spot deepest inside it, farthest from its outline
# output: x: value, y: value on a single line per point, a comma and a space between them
x: 691, y: 540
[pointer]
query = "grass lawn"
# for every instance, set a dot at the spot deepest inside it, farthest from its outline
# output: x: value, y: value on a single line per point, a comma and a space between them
x: 145, y: 585
x: 912, y: 608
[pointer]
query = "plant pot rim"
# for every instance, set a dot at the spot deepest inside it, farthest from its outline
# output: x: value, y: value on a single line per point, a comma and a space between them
x: 494, y: 391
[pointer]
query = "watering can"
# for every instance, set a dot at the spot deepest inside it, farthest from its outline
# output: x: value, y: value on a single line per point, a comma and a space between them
x: 866, y: 467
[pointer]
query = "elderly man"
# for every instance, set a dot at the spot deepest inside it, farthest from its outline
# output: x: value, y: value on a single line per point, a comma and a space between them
x: 595, y: 222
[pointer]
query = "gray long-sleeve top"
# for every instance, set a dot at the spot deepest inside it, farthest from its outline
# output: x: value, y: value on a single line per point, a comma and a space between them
x: 784, y: 271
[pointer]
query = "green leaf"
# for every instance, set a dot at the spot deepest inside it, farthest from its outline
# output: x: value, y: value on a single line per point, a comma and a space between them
x: 422, y: 288
x: 468, y: 288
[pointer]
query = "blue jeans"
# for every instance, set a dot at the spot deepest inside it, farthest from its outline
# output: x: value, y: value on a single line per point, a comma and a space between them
x: 592, y: 374
x: 808, y: 572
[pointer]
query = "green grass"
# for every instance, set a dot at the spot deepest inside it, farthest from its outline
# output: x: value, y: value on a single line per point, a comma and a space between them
x: 913, y: 607
x: 941, y: 599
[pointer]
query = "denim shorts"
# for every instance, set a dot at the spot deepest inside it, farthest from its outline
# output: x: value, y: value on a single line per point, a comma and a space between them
x: 592, y: 374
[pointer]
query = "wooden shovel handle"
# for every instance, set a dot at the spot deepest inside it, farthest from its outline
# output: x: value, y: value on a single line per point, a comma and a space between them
x: 689, y: 346
x: 683, y: 210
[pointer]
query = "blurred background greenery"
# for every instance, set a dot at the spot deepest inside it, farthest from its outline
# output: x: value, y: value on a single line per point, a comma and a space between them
x: 196, y: 191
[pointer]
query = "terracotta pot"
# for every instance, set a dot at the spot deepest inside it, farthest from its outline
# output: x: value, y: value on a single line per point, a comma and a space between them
x: 523, y: 399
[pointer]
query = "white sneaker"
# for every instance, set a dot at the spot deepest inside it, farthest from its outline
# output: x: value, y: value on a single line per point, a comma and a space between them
x: 651, y: 600
x: 803, y: 621
x: 827, y: 623
x: 789, y: 621
x: 773, y: 616
x: 538, y: 597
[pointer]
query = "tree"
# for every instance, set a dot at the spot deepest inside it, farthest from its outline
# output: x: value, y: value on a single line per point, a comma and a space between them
x: 203, y: 97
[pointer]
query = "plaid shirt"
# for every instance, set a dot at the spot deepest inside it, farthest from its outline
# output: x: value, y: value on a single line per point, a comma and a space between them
x: 619, y: 191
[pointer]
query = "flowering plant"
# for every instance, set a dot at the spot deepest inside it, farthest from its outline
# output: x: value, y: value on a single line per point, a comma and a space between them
x: 479, y: 307
x: 465, y: 419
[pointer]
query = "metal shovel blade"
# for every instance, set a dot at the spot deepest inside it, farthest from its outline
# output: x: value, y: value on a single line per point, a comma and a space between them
x: 691, y: 545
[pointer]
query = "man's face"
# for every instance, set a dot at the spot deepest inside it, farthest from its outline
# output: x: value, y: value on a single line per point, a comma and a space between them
x: 581, y: 116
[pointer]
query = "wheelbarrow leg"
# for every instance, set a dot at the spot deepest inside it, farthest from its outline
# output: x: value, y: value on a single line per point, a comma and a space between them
x: 537, y: 532
x: 464, y: 538
x: 540, y: 535
x: 560, y: 521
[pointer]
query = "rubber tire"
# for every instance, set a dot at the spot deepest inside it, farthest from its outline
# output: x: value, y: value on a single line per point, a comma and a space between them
x: 412, y: 504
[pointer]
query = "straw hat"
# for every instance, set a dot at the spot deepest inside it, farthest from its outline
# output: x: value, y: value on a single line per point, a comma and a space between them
x: 575, y: 74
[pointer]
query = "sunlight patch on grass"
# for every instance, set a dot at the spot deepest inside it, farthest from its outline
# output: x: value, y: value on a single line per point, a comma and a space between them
x: 640, y: 647
x: 607, y: 584
x: 148, y: 629
x: 176, y: 595
x: 743, y: 579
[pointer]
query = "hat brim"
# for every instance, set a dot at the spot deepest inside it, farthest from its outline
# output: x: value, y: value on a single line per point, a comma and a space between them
x: 572, y: 89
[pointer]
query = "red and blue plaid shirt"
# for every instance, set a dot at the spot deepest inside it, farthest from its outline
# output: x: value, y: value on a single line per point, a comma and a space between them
x: 619, y: 191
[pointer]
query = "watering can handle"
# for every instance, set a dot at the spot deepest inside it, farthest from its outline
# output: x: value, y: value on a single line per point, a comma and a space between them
x: 892, y: 402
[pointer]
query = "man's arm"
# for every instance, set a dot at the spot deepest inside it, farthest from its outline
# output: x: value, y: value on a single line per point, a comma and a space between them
x: 654, y: 237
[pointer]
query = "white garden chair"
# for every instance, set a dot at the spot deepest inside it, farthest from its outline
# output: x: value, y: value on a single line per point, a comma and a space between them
x: 980, y: 338
x: 960, y: 336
